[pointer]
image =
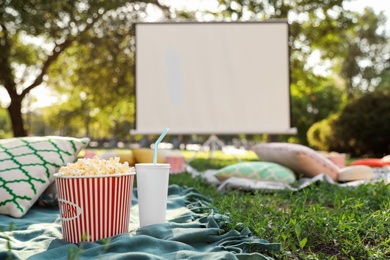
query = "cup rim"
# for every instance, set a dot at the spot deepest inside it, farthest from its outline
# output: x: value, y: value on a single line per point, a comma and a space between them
x: 159, y: 165
x: 94, y: 176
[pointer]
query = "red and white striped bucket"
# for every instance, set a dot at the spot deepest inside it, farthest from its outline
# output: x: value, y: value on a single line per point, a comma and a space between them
x: 94, y: 207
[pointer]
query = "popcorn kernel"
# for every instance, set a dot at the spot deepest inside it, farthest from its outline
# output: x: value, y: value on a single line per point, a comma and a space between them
x: 95, y: 166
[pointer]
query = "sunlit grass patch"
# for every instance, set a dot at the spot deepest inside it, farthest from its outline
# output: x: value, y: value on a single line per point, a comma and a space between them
x: 322, y: 221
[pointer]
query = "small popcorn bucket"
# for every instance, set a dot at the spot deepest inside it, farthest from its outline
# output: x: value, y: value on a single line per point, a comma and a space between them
x: 338, y: 159
x: 177, y: 163
x: 94, y: 207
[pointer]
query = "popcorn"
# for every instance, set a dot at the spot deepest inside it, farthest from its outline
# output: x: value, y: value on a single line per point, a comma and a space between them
x: 95, y: 166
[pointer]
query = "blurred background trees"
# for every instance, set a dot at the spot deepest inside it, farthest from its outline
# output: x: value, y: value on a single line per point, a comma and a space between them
x: 83, y: 51
x: 35, y: 34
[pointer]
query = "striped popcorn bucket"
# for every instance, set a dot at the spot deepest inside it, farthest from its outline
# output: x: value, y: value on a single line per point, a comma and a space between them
x: 94, y: 207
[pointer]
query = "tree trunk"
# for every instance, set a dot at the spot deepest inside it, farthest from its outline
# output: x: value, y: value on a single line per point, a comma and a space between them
x: 15, y: 113
x: 272, y: 138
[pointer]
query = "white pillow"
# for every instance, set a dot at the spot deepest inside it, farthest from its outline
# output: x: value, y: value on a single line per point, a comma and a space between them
x: 356, y: 172
x: 299, y: 158
x: 27, y: 165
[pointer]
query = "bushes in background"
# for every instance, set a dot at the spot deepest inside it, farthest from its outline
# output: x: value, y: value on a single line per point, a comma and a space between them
x: 361, y: 129
x: 320, y: 133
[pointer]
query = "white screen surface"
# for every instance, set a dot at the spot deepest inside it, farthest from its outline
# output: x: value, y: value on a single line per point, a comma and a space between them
x: 212, y: 78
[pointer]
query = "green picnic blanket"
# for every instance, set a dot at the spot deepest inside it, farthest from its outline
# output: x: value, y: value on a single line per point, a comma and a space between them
x: 194, y: 230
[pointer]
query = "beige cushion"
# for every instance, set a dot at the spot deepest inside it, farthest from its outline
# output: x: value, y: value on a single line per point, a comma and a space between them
x: 123, y: 155
x: 299, y: 158
x: 127, y: 156
x: 146, y: 155
x: 356, y: 172
x: 386, y: 160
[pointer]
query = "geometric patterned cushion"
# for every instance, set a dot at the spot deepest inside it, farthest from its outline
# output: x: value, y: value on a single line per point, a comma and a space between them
x: 27, y: 165
x: 299, y: 158
x: 261, y: 171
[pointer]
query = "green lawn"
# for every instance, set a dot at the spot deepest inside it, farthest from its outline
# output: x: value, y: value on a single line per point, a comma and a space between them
x: 322, y: 221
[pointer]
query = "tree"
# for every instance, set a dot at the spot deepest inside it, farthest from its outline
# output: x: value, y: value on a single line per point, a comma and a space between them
x: 352, y: 44
x: 97, y: 79
x: 359, y: 54
x: 74, y: 46
x: 33, y: 35
x: 363, y: 127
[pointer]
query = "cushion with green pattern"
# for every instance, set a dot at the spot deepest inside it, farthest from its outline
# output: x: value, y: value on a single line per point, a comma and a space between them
x: 261, y: 171
x: 27, y: 165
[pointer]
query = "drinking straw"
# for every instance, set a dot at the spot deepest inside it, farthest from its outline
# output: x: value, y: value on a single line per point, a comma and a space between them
x: 157, y: 143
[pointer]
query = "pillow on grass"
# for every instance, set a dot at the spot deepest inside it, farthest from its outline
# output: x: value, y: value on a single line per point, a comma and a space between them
x: 386, y: 160
x: 145, y: 155
x: 27, y: 165
x: 261, y: 171
x: 124, y: 156
x: 127, y: 156
x: 356, y: 172
x: 299, y: 158
x: 372, y: 162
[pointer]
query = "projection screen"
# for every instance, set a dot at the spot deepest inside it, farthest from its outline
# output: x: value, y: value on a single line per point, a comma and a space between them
x: 212, y: 78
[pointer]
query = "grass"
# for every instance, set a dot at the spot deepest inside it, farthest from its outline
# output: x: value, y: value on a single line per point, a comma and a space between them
x: 322, y: 221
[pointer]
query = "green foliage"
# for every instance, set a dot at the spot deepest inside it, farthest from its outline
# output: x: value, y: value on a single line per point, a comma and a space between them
x: 5, y: 124
x: 84, y: 50
x: 320, y: 133
x: 310, y: 105
x: 34, y: 34
x: 354, y: 44
x: 363, y: 127
x: 319, y: 222
x: 384, y: 85
x: 10, y: 255
x: 102, y: 99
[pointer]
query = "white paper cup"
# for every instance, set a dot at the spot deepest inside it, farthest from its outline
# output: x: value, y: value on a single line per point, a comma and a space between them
x: 94, y: 207
x: 152, y: 187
